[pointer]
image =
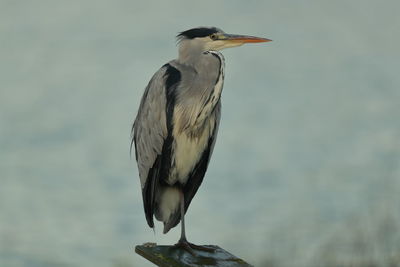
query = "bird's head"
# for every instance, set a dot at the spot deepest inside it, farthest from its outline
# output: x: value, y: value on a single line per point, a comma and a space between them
x: 212, y: 38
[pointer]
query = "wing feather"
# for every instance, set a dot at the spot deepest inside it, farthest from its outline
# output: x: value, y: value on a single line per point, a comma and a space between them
x: 152, y: 134
x: 150, y: 128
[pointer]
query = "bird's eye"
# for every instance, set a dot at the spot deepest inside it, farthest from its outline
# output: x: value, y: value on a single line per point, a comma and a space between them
x: 214, y: 36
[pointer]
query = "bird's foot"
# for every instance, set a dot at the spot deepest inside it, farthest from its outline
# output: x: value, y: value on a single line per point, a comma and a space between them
x: 189, y: 247
x: 186, y: 246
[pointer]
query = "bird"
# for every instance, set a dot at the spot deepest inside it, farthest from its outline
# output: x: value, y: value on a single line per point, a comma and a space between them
x: 176, y: 126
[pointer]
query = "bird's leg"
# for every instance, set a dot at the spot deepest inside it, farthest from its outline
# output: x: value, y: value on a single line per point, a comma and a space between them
x: 182, y: 206
x: 183, y: 241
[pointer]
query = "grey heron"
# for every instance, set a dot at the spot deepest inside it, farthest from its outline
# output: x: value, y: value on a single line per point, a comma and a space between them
x: 177, y: 123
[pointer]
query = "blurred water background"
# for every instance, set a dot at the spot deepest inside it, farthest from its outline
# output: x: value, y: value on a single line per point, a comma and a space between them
x: 306, y: 167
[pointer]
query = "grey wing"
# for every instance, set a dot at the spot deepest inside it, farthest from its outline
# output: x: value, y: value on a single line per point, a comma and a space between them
x: 152, y: 134
x: 149, y: 132
x: 150, y: 127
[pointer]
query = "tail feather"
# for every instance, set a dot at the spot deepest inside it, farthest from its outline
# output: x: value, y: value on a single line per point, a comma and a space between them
x: 167, y: 207
x: 174, y: 220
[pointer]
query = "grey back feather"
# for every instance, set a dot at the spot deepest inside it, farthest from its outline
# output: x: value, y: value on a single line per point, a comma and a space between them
x: 150, y: 128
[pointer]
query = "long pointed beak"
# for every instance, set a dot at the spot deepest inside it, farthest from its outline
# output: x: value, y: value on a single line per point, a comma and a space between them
x: 245, y: 38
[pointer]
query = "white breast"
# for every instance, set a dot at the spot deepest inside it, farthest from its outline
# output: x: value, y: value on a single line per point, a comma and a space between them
x: 187, y: 151
x: 190, y: 143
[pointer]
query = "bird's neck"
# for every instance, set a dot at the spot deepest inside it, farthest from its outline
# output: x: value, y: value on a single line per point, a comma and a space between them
x: 190, y: 52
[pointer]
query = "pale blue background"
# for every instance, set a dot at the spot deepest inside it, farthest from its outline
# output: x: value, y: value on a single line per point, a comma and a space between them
x: 306, y: 167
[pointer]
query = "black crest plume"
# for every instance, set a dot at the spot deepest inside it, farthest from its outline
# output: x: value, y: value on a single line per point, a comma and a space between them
x: 197, y: 32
